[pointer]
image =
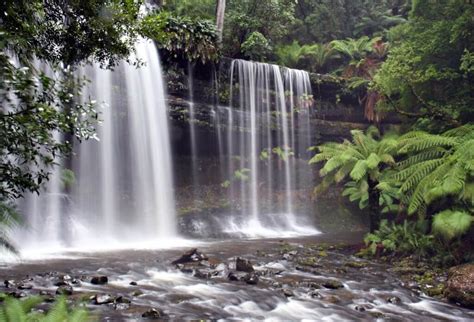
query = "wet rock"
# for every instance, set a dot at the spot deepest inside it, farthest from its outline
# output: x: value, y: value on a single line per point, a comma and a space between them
x: 251, y: 279
x: 356, y: 264
x: 17, y: 295
x: 9, y: 283
x: 288, y: 293
x: 121, y: 306
x: 360, y: 308
x: 409, y: 270
x: 192, y: 255
x: 64, y: 290
x: 99, y: 280
x: 243, y: 265
x: 61, y: 283
x: 202, y: 274
x: 100, y: 299
x: 311, y: 285
x: 460, y: 285
x: 25, y: 286
x: 137, y: 293
x: 433, y: 291
x: 45, y: 293
x: 153, y: 314
x: 122, y: 299
x: 394, y: 300
x: 316, y: 295
x: 332, y: 284
x: 307, y: 270
x: 133, y: 283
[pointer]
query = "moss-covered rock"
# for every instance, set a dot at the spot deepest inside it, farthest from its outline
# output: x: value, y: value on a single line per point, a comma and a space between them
x: 460, y: 285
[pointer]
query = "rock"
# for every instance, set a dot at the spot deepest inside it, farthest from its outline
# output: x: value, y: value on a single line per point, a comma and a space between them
x: 153, y: 314
x: 133, y: 283
x: 356, y: 264
x: 99, y: 280
x: 61, y: 283
x: 45, y: 293
x: 243, y: 265
x: 137, y: 293
x: 201, y: 274
x: 460, y: 285
x: 64, y: 290
x: 359, y: 308
x: 25, y: 286
x: 9, y: 283
x: 121, y: 306
x: 394, y: 300
x: 17, y: 295
x: 122, y: 299
x: 251, y: 279
x: 192, y: 255
x: 100, y: 299
x: 288, y: 293
x: 332, y: 284
x: 433, y: 291
x: 315, y: 294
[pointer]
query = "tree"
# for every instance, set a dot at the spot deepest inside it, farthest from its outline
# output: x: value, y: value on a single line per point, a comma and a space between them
x: 38, y: 110
x: 361, y: 161
x: 426, y: 77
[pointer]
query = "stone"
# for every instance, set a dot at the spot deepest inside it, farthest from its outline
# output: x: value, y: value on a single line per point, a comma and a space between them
x: 394, y: 300
x: 121, y: 306
x: 201, y: 274
x: 45, y: 293
x: 9, y: 283
x: 153, y: 314
x: 137, y: 293
x: 25, y: 286
x: 64, y: 290
x: 288, y: 293
x: 460, y: 285
x: 192, y: 255
x: 243, y: 265
x: 100, y: 299
x: 99, y: 280
x: 251, y: 279
x: 359, y: 308
x: 61, y: 283
x: 133, y: 283
x: 356, y: 264
x: 122, y: 299
x: 332, y: 284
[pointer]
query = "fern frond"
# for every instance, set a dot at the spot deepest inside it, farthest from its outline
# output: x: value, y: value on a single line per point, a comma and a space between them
x: 428, y: 141
x: 451, y: 223
x: 414, y: 174
x: 431, y: 154
x: 359, y: 170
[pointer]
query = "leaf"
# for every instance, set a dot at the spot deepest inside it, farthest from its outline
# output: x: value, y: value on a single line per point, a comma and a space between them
x: 452, y: 223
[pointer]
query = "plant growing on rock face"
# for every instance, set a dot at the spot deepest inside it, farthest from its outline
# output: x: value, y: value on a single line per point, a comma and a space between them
x: 361, y: 162
x: 9, y: 219
x: 256, y: 47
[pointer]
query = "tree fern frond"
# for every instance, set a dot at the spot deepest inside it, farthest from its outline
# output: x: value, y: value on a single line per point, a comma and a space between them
x: 414, y: 174
x: 359, y: 170
x: 452, y: 223
x: 426, y: 142
x: 431, y: 154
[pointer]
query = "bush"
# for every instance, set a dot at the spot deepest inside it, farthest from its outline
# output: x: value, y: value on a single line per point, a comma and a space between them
x: 256, y: 47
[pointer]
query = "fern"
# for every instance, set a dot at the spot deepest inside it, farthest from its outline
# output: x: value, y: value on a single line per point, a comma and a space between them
x: 451, y: 223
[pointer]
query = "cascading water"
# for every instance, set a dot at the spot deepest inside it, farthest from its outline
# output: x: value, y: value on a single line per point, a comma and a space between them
x: 123, y: 192
x: 262, y: 141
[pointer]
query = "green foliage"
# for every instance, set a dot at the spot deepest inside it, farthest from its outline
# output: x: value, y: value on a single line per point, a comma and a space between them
x: 283, y: 153
x: 437, y: 167
x: 68, y: 178
x: 256, y: 47
x: 314, y: 57
x: 38, y: 107
x: 451, y: 224
x: 271, y: 18
x: 407, y: 238
x: 196, y: 9
x: 182, y: 37
x: 14, y: 310
x: 9, y: 219
x: 426, y: 76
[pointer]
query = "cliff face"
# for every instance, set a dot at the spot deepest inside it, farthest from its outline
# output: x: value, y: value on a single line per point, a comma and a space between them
x: 333, y: 113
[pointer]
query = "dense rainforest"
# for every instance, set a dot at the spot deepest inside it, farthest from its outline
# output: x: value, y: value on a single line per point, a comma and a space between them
x: 411, y: 61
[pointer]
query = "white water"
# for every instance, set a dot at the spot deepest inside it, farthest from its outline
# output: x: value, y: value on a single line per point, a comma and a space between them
x: 123, y: 193
x: 263, y: 119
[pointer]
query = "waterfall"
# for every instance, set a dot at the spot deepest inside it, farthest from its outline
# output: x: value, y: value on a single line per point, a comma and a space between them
x: 267, y: 127
x: 123, y: 190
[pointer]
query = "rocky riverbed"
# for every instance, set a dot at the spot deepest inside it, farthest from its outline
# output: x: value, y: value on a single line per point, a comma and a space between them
x: 313, y: 278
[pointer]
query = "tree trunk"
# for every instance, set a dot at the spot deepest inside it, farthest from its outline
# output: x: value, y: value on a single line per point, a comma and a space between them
x: 374, y: 209
x: 220, y: 14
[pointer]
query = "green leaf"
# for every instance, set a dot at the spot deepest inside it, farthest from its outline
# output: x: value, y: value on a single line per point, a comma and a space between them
x: 452, y: 223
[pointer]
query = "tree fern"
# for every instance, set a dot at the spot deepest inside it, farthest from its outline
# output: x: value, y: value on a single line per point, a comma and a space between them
x: 452, y: 223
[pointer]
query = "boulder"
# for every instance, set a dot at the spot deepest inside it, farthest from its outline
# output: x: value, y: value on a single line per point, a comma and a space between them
x: 99, y: 280
x: 101, y: 299
x: 64, y: 290
x: 153, y: 314
x: 251, y: 279
x: 460, y: 285
x: 192, y: 255
x: 243, y: 265
x: 332, y: 284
